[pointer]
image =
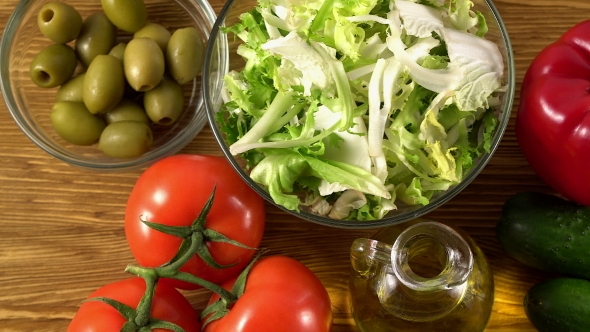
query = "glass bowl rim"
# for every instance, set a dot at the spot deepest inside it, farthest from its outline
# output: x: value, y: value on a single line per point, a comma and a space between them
x: 364, y: 224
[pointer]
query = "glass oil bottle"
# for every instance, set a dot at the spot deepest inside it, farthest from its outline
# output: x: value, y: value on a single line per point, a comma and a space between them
x: 420, y: 276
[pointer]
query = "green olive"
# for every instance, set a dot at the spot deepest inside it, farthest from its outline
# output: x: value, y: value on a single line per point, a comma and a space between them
x: 126, y: 110
x: 104, y: 84
x: 118, y: 51
x: 98, y: 36
x: 125, y: 139
x: 164, y: 103
x: 59, y: 22
x: 184, y: 54
x: 128, y: 15
x: 71, y: 90
x: 156, y: 32
x: 72, y: 122
x: 53, y: 66
x: 144, y: 64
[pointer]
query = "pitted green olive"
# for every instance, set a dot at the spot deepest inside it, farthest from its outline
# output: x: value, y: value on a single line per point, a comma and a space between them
x: 156, y: 32
x: 73, y: 123
x: 126, y: 110
x: 59, y: 22
x: 118, y: 51
x: 164, y: 103
x: 104, y: 84
x: 71, y: 90
x: 184, y: 54
x: 125, y: 139
x: 53, y: 66
x: 98, y: 36
x: 128, y: 15
x: 144, y: 64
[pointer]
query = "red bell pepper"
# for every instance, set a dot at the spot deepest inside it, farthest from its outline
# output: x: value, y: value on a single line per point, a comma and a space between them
x: 553, y: 120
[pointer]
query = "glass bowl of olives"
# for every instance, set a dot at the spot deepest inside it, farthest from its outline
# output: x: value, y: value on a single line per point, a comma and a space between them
x: 106, y: 85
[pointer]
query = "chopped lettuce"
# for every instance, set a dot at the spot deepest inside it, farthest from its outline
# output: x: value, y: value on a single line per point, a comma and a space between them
x: 352, y: 107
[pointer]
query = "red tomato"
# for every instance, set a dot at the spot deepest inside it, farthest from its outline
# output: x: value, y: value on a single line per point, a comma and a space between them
x: 173, y: 192
x: 168, y: 304
x: 281, y: 294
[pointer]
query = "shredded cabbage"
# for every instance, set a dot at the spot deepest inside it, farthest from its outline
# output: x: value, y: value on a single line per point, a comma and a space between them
x: 361, y: 104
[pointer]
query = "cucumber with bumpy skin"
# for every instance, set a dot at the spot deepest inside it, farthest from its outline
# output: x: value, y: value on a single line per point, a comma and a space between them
x: 546, y: 232
x: 559, y: 305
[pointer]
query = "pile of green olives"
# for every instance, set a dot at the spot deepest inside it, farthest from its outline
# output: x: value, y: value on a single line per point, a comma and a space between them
x: 123, y: 88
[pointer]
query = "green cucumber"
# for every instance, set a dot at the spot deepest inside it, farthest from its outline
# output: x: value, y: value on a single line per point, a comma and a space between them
x: 546, y: 232
x: 561, y: 304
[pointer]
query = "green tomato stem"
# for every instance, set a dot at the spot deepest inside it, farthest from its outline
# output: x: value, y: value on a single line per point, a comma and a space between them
x: 145, y: 304
x: 222, y: 292
x: 171, y: 269
x: 193, y: 244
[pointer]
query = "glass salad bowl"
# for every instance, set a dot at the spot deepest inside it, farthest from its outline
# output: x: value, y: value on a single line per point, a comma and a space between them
x: 31, y: 105
x: 358, y: 117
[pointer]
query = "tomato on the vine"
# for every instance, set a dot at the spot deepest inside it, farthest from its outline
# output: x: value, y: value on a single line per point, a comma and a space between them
x: 168, y: 305
x: 173, y: 192
x: 280, y: 294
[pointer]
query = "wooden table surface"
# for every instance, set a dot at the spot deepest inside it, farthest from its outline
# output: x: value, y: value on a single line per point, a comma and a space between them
x: 61, y: 228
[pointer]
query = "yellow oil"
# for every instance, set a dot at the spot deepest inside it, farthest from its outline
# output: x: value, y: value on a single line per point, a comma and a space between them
x: 470, y: 314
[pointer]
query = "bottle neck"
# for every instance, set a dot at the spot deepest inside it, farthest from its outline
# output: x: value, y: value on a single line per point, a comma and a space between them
x: 427, y: 278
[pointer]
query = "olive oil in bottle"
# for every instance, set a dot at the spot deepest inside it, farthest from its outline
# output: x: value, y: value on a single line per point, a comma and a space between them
x: 420, y: 276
